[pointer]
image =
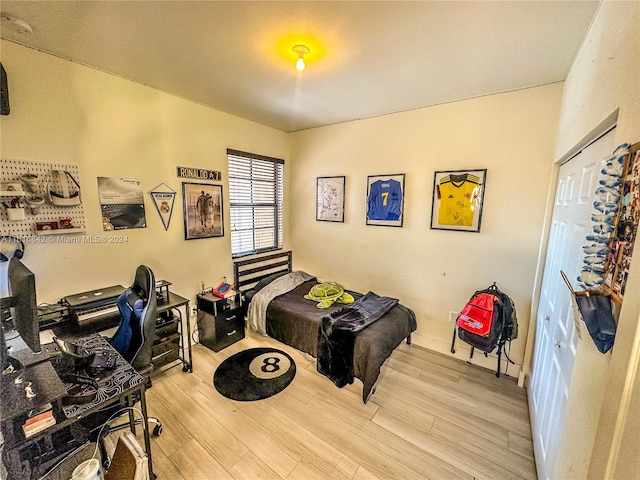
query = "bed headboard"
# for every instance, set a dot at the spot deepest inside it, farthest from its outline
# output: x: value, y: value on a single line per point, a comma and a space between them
x: 246, y: 273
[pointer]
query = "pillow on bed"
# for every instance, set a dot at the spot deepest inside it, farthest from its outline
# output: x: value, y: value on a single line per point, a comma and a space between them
x: 248, y: 295
x: 267, y: 280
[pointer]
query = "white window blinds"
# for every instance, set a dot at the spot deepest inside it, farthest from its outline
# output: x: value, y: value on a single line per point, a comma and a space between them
x: 255, y: 201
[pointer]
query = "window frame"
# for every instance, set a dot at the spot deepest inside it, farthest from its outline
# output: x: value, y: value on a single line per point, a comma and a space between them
x: 264, y: 162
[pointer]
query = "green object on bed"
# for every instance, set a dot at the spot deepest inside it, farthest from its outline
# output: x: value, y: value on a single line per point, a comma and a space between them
x: 327, y: 293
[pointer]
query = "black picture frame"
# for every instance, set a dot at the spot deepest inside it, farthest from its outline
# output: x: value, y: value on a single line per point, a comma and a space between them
x: 330, y: 193
x: 458, y: 199
x: 385, y: 200
x: 203, y: 210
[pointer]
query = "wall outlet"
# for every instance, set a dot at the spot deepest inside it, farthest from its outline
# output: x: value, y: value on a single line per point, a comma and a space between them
x: 453, y: 316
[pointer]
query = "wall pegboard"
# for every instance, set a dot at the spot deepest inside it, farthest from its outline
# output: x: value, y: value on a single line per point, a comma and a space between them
x: 12, y: 170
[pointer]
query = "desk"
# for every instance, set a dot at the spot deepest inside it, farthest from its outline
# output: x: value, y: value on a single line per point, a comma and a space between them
x: 118, y: 385
x: 36, y: 372
x: 170, y: 302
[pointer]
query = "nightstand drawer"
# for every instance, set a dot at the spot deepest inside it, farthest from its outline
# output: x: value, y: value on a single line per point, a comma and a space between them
x: 231, y: 334
x: 229, y: 322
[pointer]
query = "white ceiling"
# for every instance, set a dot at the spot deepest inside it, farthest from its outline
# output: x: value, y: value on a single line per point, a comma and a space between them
x: 367, y: 58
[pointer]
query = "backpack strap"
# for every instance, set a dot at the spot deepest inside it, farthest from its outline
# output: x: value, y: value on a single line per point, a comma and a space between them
x: 507, y: 328
x: 502, y: 348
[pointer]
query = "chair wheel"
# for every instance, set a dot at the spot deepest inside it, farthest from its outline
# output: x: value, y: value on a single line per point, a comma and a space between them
x: 157, y: 430
x: 185, y: 368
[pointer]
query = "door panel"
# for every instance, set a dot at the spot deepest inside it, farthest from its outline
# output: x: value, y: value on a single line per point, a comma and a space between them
x: 556, y: 335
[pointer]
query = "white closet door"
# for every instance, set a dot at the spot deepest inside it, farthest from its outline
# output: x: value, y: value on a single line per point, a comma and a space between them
x: 556, y: 337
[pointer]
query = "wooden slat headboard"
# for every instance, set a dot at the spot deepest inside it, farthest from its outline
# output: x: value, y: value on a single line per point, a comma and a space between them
x: 246, y: 273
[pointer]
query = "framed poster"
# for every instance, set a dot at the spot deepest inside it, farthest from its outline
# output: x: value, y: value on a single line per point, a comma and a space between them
x: 330, y: 199
x: 457, y: 200
x: 202, y: 210
x: 121, y: 203
x: 385, y: 200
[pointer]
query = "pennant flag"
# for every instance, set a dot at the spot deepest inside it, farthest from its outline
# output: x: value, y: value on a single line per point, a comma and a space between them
x: 163, y: 198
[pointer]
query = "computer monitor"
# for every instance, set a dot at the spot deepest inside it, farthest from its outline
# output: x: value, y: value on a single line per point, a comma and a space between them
x: 24, y: 307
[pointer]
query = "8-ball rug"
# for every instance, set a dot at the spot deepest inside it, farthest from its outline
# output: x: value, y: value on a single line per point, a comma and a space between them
x: 254, y: 374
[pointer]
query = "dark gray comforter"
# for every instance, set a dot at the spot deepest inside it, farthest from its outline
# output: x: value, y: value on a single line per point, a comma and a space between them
x: 295, y: 321
x: 337, y: 335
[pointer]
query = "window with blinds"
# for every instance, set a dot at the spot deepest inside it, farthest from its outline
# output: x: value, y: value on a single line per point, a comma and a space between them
x: 255, y: 201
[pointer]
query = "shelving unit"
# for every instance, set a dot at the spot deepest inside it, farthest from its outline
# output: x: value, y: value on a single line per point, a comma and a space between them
x: 172, y: 343
x: 61, y: 231
x: 13, y: 193
x: 7, y: 194
x: 12, y: 171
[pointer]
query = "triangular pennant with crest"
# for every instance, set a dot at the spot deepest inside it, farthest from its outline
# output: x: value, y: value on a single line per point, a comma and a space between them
x: 163, y: 198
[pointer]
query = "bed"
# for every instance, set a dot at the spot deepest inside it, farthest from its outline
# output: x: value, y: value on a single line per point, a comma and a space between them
x: 297, y: 322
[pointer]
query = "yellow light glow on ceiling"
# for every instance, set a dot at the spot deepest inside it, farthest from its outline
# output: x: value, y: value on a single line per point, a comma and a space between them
x: 285, y: 44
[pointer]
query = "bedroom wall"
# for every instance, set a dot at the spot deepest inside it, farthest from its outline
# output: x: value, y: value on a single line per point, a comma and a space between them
x: 601, y: 436
x: 108, y: 126
x: 433, y: 272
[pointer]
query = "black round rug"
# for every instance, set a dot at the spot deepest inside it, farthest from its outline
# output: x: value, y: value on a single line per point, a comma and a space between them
x: 254, y: 374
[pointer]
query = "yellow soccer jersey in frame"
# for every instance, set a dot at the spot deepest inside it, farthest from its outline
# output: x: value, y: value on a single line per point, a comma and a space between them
x: 458, y: 194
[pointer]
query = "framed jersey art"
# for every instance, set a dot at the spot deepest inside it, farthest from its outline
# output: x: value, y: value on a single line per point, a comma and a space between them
x: 385, y: 200
x: 457, y: 200
x: 330, y: 199
x: 202, y: 210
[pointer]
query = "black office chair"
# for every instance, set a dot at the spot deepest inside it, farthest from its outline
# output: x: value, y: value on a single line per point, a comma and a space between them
x: 135, y: 335
x: 139, y: 312
x: 134, y: 341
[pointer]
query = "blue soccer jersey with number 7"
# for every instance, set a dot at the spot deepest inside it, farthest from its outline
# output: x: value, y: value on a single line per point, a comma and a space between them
x: 385, y: 200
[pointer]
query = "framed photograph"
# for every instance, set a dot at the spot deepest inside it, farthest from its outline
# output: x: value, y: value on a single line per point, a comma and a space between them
x: 385, y: 200
x: 202, y: 210
x: 457, y: 200
x: 121, y: 203
x: 330, y: 199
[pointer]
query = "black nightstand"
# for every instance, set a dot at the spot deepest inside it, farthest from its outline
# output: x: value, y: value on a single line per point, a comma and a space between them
x: 220, y: 320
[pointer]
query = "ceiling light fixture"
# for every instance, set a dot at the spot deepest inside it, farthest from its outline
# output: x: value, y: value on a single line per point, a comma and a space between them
x: 301, y: 50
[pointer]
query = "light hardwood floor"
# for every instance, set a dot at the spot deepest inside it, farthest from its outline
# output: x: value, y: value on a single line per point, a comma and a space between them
x: 431, y: 417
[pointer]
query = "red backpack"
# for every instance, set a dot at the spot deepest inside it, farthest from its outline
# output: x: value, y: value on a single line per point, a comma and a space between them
x: 487, y: 321
x: 478, y: 316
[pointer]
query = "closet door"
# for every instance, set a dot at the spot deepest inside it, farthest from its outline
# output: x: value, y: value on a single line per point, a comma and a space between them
x: 556, y: 337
